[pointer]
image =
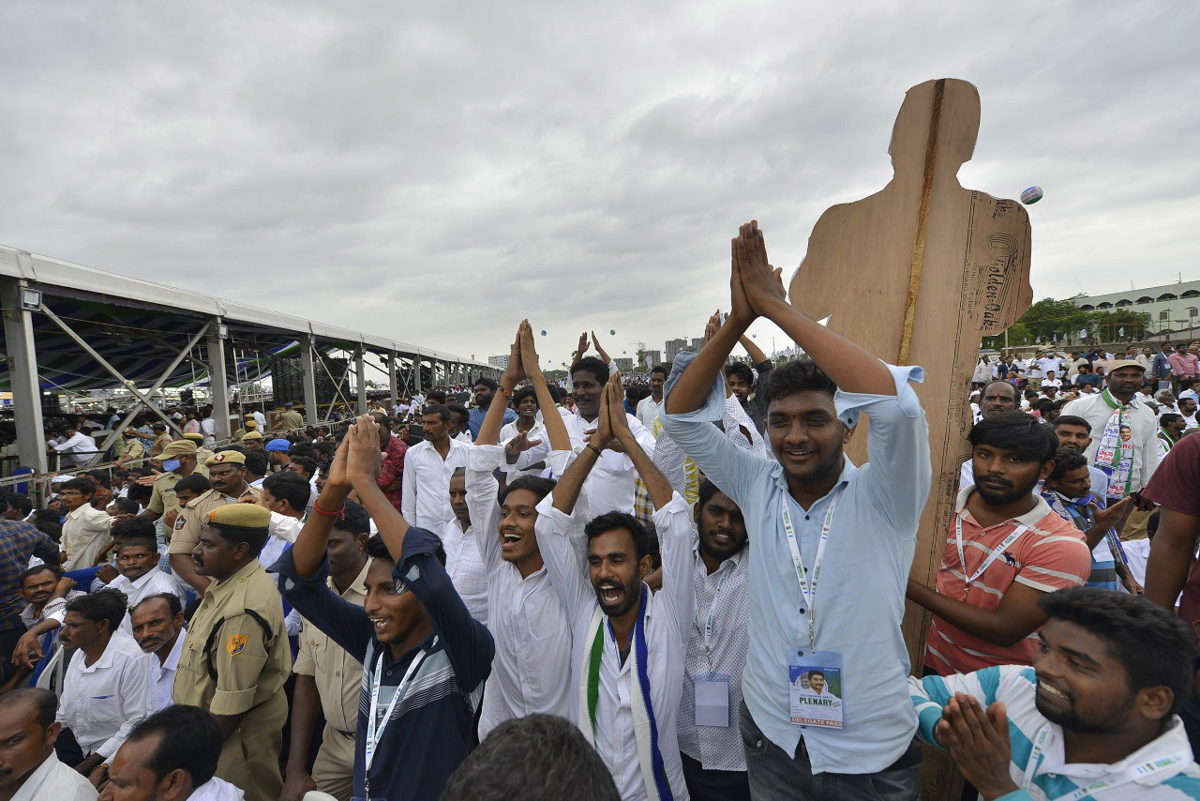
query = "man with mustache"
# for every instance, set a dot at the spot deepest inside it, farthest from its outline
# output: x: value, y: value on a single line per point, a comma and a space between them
x: 157, y: 622
x: 1006, y: 549
x: 1095, y: 717
x: 227, y: 475
x: 629, y: 645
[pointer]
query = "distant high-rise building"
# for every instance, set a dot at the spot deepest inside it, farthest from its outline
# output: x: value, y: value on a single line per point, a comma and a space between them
x: 697, y: 343
x: 653, y: 356
x: 624, y: 364
x: 673, y: 346
x: 499, y: 362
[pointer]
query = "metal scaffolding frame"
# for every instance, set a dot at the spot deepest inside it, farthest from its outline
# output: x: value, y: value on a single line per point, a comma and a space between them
x: 172, y: 325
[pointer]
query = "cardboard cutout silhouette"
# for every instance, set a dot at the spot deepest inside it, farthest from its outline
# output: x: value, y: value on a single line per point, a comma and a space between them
x: 917, y: 273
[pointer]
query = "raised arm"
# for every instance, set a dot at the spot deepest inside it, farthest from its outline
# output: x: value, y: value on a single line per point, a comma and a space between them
x: 848, y: 364
x: 600, y: 349
x: 611, y: 406
x: 556, y: 430
x: 493, y: 421
x: 308, y: 552
x: 566, y: 492
x: 755, y: 353
x: 362, y: 465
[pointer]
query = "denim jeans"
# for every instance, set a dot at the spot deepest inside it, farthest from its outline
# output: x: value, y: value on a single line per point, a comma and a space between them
x: 777, y: 776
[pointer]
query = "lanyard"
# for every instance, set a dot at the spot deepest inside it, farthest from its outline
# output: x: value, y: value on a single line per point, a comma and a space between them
x: 710, y: 621
x: 1106, y: 783
x: 999, y: 549
x: 806, y: 592
x: 374, y: 729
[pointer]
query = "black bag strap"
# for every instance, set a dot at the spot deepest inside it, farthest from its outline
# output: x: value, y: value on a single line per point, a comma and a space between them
x: 210, y: 661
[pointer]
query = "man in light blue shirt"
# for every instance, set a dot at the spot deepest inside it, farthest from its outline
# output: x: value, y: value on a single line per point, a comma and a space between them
x: 855, y: 532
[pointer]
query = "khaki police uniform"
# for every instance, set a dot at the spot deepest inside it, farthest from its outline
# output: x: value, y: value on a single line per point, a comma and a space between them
x: 130, y: 449
x: 202, y: 456
x: 291, y: 419
x: 161, y: 442
x: 251, y: 659
x: 193, y: 517
x: 339, y: 682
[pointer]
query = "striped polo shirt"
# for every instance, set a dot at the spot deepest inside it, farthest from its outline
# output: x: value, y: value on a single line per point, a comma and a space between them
x: 1049, y: 555
x: 1052, y: 776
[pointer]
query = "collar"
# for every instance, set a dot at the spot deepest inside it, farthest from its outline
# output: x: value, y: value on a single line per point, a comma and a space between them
x: 176, y: 651
x: 237, y: 577
x: 848, y: 471
x: 79, y: 512
x: 105, y: 659
x: 1030, y: 519
x: 359, y: 585
x: 734, y: 561
x: 1172, y: 740
x: 142, y: 580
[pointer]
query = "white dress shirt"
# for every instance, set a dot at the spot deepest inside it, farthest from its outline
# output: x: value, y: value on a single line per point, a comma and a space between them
x: 85, y: 532
x: 509, y: 431
x: 153, y: 582
x: 668, y: 619
x: 425, y: 500
x: 531, y: 672
x: 610, y: 486
x: 162, y: 674
x: 102, y: 702
x: 466, y: 569
x: 54, y: 780
x: 647, y: 410
x: 216, y: 790
x: 77, y: 451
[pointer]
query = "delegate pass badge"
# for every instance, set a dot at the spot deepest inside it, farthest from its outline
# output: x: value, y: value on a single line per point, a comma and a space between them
x: 815, y: 690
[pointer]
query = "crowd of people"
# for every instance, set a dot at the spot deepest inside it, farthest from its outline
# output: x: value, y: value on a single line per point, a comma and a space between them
x: 617, y: 589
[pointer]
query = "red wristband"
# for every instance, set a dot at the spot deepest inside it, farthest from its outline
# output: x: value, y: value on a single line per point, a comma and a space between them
x: 317, y: 508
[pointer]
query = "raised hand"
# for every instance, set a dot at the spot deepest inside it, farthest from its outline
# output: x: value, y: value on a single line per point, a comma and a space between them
x: 362, y: 460
x: 600, y: 348
x: 712, y: 326
x: 602, y: 436
x: 582, y: 348
x: 614, y: 400
x: 529, y: 357
x: 762, y: 283
x: 515, y: 371
x: 339, y: 477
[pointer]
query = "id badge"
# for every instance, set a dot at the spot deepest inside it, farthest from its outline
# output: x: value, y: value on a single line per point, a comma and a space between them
x: 815, y: 689
x: 712, y: 700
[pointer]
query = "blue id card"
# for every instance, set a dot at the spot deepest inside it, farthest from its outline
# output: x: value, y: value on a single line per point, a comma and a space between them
x: 815, y: 690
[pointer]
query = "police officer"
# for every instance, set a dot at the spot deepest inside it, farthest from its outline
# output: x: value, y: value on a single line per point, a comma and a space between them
x: 289, y: 419
x: 247, y: 425
x: 179, y: 460
x: 236, y: 656
x: 130, y: 449
x: 203, y: 454
x: 227, y: 474
x: 252, y: 441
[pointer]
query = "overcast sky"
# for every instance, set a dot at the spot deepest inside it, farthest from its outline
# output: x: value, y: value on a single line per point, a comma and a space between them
x: 434, y: 172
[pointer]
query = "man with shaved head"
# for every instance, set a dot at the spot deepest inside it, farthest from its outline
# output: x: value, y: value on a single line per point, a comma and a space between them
x: 29, y: 768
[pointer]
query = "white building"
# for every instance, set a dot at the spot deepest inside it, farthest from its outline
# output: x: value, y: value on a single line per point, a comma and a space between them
x: 1172, y: 307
